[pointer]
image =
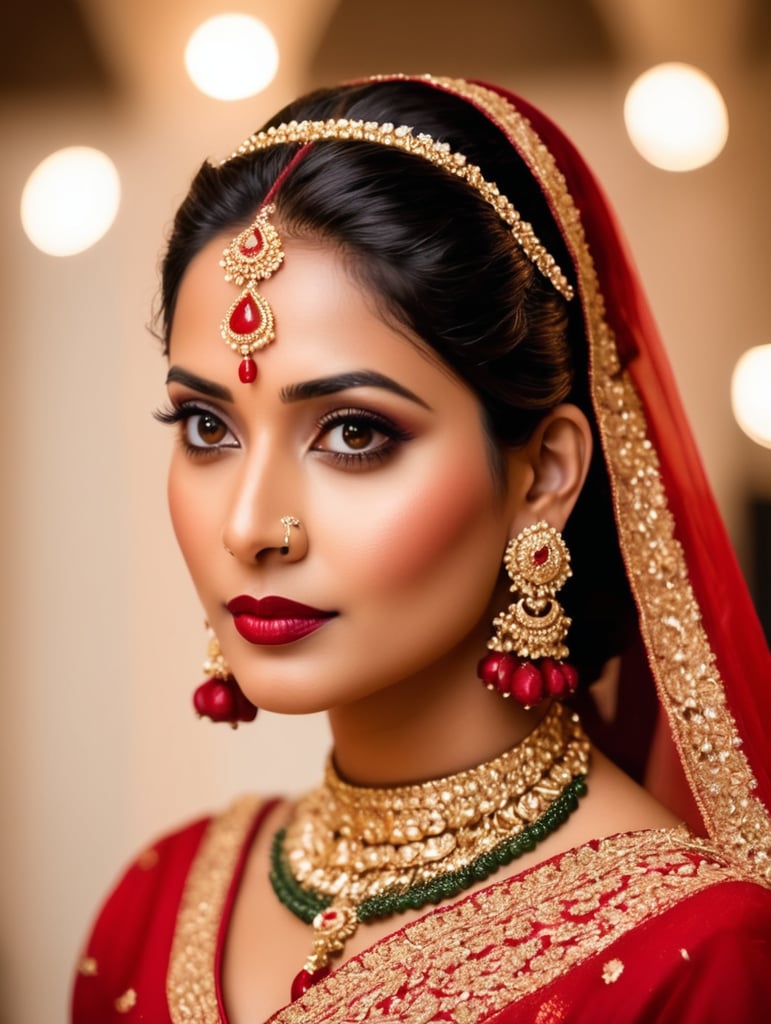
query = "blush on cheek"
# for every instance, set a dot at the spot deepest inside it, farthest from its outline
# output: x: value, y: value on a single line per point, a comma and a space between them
x: 416, y: 532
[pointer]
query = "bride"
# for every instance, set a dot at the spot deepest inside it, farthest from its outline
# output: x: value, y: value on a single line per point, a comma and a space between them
x: 432, y: 478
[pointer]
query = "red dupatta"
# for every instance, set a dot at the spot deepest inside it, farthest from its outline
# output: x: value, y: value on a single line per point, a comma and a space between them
x: 703, y: 646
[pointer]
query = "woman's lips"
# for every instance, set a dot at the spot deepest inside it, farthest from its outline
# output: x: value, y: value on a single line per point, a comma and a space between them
x: 275, y: 620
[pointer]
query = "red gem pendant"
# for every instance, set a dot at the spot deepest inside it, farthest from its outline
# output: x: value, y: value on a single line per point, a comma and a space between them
x: 246, y: 317
x: 252, y: 245
x: 541, y: 555
x: 247, y: 370
x: 307, y: 979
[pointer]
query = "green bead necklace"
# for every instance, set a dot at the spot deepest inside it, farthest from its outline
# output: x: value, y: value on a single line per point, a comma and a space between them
x: 354, y: 854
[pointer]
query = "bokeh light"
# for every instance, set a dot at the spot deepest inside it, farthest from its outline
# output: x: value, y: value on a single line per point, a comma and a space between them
x: 231, y: 56
x: 70, y: 200
x: 751, y: 394
x: 676, y: 118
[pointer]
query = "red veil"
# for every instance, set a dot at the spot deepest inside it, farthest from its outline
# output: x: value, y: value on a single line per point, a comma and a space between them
x: 701, y: 646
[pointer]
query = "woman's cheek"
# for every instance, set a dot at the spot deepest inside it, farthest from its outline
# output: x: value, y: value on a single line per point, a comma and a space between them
x: 409, y: 531
x: 188, y: 511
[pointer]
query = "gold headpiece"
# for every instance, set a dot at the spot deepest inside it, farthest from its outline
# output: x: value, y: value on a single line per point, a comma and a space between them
x: 252, y: 256
x: 439, y: 154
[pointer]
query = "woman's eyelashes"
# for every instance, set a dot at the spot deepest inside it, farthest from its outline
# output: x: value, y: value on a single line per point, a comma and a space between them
x: 201, y: 430
x: 357, y: 438
x: 351, y: 438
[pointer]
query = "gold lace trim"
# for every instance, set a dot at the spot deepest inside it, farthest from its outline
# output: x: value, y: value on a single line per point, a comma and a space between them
x: 469, y: 960
x: 191, y: 988
x: 681, y: 658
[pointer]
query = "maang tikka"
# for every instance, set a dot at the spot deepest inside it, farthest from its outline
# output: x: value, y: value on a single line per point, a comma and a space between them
x: 219, y: 697
x: 527, y: 652
x: 253, y: 255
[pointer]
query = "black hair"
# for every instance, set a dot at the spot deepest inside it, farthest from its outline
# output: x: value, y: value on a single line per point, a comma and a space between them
x: 441, y: 264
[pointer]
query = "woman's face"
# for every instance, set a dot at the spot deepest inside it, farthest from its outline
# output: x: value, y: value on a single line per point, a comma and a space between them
x: 374, y: 447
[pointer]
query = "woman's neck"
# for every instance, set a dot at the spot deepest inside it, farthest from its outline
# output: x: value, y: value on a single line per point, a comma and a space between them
x: 431, y: 725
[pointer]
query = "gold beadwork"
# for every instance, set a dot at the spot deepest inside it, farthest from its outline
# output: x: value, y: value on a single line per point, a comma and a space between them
x: 214, y: 663
x: 534, y: 625
x: 439, y: 154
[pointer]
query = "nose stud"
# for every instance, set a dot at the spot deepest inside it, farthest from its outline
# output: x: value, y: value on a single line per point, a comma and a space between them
x: 287, y: 522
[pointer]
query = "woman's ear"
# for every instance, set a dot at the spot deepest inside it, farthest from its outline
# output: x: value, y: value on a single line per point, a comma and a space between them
x: 556, y: 457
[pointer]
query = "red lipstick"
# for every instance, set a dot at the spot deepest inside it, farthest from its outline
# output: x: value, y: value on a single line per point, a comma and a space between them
x: 275, y: 620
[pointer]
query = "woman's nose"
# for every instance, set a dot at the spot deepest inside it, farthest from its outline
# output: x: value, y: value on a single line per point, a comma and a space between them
x: 262, y: 521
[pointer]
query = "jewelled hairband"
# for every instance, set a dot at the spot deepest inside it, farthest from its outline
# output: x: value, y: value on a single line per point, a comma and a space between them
x: 256, y: 253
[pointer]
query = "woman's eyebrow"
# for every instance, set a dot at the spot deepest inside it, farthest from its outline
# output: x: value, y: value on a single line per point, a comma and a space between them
x: 344, y: 381
x: 177, y: 375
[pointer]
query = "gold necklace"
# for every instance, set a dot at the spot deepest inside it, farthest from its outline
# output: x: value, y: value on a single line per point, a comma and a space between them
x: 355, y: 853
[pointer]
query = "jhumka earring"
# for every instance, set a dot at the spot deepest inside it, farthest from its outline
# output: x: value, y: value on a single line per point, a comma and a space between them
x: 527, y: 651
x: 253, y: 255
x: 220, y: 697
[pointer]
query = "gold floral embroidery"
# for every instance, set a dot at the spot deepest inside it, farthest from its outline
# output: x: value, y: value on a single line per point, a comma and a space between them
x: 127, y: 1001
x: 467, y: 961
x: 88, y: 967
x: 190, y: 982
x: 553, y: 1011
x: 682, y: 661
x: 612, y: 971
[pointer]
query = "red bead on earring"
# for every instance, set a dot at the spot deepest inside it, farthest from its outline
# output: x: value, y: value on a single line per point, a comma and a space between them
x: 219, y: 697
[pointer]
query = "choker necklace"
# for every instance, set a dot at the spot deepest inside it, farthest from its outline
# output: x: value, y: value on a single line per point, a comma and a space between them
x: 354, y: 853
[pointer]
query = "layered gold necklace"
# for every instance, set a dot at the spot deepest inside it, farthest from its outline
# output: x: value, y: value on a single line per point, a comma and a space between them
x: 354, y: 853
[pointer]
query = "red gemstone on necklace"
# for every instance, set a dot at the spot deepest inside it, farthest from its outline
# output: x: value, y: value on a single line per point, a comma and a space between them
x: 246, y: 317
x: 253, y: 244
x: 307, y: 979
x: 541, y: 555
x: 247, y: 370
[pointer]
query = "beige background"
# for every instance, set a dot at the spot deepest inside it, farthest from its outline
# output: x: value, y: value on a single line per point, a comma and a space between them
x: 102, y: 635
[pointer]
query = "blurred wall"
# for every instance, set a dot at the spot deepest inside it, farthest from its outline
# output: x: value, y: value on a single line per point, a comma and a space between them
x: 103, y: 638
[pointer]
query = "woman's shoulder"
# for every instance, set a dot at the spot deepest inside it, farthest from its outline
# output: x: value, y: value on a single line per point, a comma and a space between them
x: 126, y: 955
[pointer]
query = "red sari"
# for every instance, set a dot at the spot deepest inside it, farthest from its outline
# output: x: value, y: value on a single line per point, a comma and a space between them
x: 649, y: 926
x: 644, y: 926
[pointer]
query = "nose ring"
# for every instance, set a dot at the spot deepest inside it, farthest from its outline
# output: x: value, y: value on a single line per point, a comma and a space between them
x: 287, y: 522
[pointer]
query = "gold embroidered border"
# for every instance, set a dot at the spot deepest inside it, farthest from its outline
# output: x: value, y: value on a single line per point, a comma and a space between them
x: 191, y: 981
x: 470, y: 960
x: 682, y: 661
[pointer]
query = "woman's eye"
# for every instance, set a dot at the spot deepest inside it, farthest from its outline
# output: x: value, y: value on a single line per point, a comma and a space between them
x: 353, y: 436
x: 205, y: 430
x: 200, y: 430
x: 357, y: 439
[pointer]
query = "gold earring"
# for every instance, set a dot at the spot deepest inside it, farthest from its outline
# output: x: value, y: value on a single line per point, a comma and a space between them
x: 220, y: 697
x: 527, y: 651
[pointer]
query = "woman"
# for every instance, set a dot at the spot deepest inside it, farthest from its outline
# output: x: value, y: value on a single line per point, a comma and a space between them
x: 437, y: 357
